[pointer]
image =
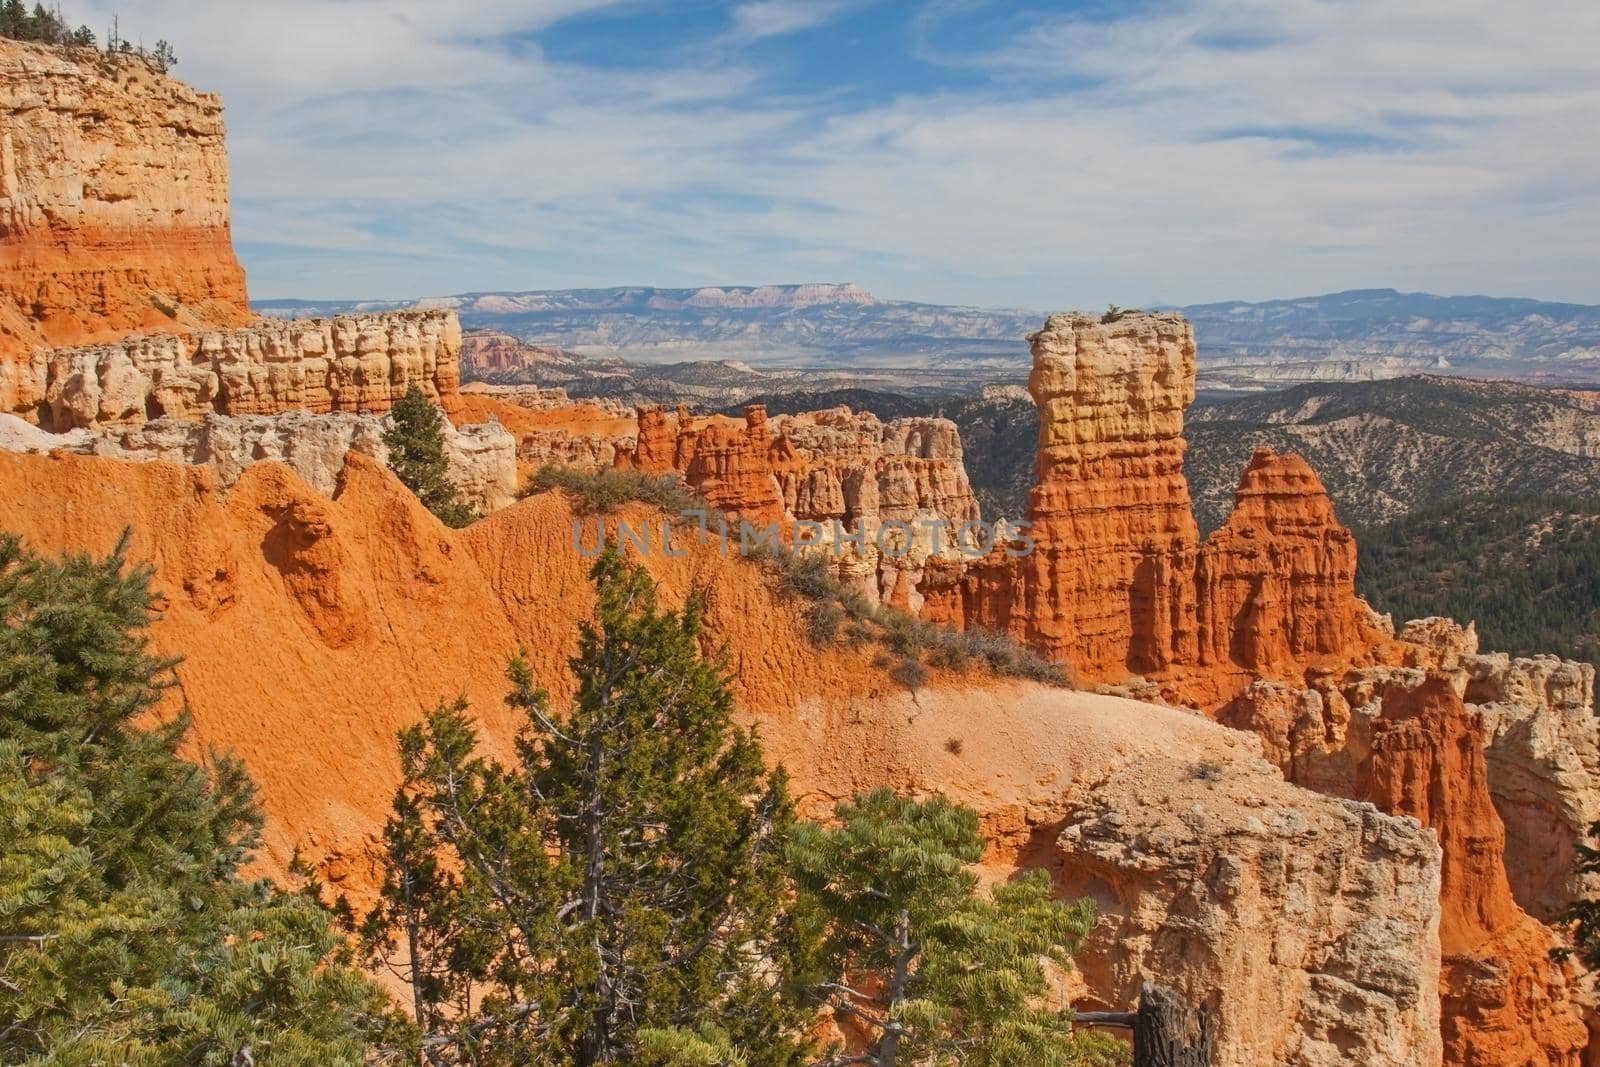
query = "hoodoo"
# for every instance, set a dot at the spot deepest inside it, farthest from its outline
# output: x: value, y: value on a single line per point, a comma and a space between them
x: 1276, y: 584
x: 1109, y: 586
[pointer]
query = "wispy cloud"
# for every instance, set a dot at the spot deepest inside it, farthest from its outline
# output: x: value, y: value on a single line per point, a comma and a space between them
x: 1207, y: 150
x: 773, y: 18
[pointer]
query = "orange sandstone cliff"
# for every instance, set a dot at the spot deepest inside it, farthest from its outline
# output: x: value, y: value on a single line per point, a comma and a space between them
x: 113, y: 207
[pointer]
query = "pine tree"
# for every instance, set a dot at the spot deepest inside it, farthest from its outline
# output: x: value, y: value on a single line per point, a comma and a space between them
x: 621, y: 885
x: 1582, y: 916
x: 126, y: 933
x: 918, y: 960
x: 415, y: 440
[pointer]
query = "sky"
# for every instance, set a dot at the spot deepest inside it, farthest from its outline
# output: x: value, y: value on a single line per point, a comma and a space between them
x: 954, y: 151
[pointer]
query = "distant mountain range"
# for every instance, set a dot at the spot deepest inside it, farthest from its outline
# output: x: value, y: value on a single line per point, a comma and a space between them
x: 1361, y: 335
x: 812, y: 325
x: 1369, y: 334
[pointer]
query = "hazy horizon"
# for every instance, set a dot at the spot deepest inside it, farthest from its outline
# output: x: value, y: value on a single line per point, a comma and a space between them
x: 299, y: 298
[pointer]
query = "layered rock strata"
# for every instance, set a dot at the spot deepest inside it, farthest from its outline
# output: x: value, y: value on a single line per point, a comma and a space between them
x: 113, y: 208
x: 1276, y: 584
x: 482, y: 457
x: 487, y: 353
x: 1503, y: 1000
x: 885, y: 498
x: 354, y: 363
x: 1115, y: 581
x: 1310, y: 930
x: 897, y: 490
x: 1109, y: 584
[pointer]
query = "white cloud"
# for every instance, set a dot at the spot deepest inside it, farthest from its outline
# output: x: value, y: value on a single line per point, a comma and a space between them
x: 773, y: 18
x: 1214, y: 150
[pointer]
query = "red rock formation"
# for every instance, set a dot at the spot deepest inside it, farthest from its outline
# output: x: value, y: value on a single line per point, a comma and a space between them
x: 1276, y: 584
x: 486, y: 352
x: 655, y: 446
x: 113, y: 208
x: 1109, y: 586
x: 1116, y: 583
x: 731, y: 466
x: 1503, y: 1000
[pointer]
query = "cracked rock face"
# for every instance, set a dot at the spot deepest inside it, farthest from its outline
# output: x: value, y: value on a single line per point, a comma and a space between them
x: 483, y: 457
x: 1403, y: 738
x: 1310, y: 929
x: 356, y: 363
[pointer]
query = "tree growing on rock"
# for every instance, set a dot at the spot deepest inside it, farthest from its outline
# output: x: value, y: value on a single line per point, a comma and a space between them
x: 921, y: 967
x: 415, y: 440
x: 617, y: 894
x: 126, y: 932
x: 1583, y: 914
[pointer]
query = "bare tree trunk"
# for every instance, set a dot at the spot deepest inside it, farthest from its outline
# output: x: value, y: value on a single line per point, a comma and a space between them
x: 1167, y: 1032
x: 595, y: 1046
x: 889, y: 1047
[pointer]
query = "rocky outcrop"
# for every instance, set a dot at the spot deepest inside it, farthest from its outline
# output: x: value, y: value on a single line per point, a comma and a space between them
x: 1311, y: 930
x: 113, y: 208
x: 655, y: 444
x: 1544, y: 768
x: 1504, y: 1001
x: 483, y: 458
x: 486, y: 353
x: 733, y: 467
x: 902, y: 479
x: 532, y: 397
x: 1542, y: 749
x: 355, y: 363
x: 1113, y: 579
x: 1276, y: 584
x: 897, y: 490
x: 1403, y: 738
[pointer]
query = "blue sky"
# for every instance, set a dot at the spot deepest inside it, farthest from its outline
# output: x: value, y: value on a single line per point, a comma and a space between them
x: 960, y: 151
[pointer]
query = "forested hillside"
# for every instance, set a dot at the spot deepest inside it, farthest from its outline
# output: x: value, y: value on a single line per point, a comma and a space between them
x: 1526, y: 568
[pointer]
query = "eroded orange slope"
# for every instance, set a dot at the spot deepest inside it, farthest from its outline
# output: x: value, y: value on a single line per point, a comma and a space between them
x: 313, y: 629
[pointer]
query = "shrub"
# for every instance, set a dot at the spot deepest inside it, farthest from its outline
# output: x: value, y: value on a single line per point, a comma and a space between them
x: 602, y: 490
x: 837, y: 609
x: 823, y: 620
x: 809, y: 576
x: 910, y: 673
